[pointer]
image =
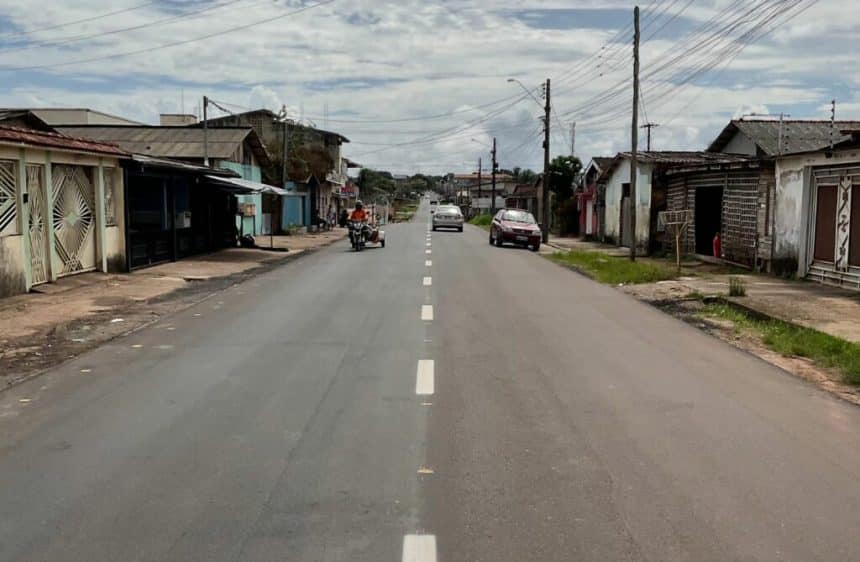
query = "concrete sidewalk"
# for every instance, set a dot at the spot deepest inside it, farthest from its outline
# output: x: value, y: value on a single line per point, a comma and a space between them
x: 63, y: 319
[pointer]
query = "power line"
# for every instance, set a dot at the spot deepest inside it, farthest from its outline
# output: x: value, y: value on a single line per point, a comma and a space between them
x: 97, y: 35
x: 169, y: 45
x: 75, y: 22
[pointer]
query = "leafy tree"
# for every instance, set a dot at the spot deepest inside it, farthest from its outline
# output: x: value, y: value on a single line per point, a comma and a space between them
x: 563, y: 172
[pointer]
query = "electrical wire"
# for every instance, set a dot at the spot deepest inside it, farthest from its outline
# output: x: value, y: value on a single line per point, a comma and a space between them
x: 4, y: 36
x: 169, y: 45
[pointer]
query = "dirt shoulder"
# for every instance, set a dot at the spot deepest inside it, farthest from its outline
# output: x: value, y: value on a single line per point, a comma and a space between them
x: 65, y: 319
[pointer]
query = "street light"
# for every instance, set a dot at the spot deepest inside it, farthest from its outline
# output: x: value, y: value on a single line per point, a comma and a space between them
x: 526, y: 90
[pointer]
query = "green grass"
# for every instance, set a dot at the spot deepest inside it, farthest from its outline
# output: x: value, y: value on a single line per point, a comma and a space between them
x: 482, y: 220
x: 788, y: 339
x: 613, y: 270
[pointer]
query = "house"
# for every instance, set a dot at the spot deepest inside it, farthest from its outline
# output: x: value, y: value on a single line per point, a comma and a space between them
x: 238, y: 149
x: 524, y: 196
x: 812, y: 208
x: 652, y: 191
x: 590, y: 198
x: 61, y: 208
x: 314, y: 162
x: 480, y: 189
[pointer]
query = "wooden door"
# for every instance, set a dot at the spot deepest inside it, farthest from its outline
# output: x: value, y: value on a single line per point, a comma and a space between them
x: 825, y: 223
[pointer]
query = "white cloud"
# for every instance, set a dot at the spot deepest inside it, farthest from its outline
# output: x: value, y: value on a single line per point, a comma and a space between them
x: 372, y: 60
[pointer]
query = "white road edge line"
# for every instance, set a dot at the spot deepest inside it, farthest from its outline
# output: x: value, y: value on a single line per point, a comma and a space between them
x: 424, y: 378
x: 427, y: 312
x: 428, y: 281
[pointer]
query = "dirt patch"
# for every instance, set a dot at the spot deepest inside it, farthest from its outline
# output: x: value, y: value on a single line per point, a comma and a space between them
x: 42, y: 331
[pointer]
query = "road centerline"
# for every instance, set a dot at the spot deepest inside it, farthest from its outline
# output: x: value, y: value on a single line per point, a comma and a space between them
x: 425, y: 384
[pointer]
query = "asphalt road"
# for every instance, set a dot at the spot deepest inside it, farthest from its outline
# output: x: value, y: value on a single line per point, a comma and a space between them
x: 345, y: 407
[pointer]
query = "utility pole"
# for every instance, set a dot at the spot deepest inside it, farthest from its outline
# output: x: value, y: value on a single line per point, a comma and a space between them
x: 545, y: 182
x: 493, y: 192
x: 649, y: 126
x: 284, y: 153
x: 634, y: 157
x: 832, y: 123
x: 573, y: 139
x: 205, y: 131
x: 479, y: 174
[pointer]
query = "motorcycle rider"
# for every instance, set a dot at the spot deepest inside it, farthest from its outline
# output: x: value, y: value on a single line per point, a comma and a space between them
x: 360, y: 215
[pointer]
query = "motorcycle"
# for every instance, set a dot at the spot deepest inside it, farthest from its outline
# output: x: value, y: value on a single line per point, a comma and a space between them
x: 358, y: 235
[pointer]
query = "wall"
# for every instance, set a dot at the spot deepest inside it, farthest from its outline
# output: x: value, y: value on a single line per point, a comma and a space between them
x: 620, y: 176
x: 741, y: 144
x: 248, y: 225
x: 12, y: 281
x: 792, y: 202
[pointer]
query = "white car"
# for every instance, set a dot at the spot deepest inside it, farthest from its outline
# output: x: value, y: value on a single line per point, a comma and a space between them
x: 448, y: 216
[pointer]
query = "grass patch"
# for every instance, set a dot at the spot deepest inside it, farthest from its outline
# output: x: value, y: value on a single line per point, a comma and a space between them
x: 737, y: 287
x: 483, y: 221
x: 614, y: 270
x: 788, y: 339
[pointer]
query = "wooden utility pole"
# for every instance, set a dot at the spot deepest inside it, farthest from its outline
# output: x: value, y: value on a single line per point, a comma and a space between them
x: 493, y: 191
x: 634, y: 157
x: 205, y: 131
x: 479, y: 175
x: 284, y: 152
x: 545, y: 182
x: 648, y: 127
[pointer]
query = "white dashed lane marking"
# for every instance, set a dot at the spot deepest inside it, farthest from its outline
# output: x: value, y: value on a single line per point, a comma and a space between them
x: 427, y: 312
x: 428, y: 252
x: 424, y: 378
x: 428, y: 263
x: 419, y: 548
x: 428, y: 281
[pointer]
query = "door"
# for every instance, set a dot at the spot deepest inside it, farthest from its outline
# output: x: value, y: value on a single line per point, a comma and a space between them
x: 74, y: 219
x: 825, y: 223
x: 589, y: 217
x: 709, y: 218
x: 36, y: 224
x: 854, y: 240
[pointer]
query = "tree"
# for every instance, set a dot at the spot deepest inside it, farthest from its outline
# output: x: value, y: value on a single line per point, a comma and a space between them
x: 563, y: 172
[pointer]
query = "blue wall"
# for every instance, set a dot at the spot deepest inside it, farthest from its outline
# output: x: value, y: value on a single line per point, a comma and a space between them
x: 248, y: 225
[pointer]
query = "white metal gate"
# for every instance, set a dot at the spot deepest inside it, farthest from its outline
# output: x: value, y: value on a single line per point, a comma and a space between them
x: 36, y: 224
x: 74, y: 219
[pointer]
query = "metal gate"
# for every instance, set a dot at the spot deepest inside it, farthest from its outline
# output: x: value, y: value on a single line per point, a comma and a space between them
x: 74, y: 219
x: 36, y: 224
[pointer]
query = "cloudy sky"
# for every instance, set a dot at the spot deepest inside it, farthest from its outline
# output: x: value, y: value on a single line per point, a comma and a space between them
x: 423, y: 85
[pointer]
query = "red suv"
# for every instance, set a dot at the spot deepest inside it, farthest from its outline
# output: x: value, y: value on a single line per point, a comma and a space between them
x: 517, y: 227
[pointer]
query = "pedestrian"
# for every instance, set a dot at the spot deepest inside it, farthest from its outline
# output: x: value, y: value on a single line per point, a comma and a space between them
x: 344, y: 217
x: 330, y: 218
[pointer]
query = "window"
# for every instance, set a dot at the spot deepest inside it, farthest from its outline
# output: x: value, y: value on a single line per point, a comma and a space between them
x: 8, y: 199
x: 110, y: 197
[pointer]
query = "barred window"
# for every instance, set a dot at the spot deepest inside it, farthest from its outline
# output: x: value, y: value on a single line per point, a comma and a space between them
x: 110, y: 199
x: 8, y: 200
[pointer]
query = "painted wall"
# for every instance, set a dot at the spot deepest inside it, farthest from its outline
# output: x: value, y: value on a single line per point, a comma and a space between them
x: 793, y: 201
x: 12, y: 281
x: 620, y: 176
x: 248, y: 225
x: 295, y: 211
x: 741, y: 144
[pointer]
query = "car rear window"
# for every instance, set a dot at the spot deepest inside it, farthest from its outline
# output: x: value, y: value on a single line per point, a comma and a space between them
x: 449, y: 210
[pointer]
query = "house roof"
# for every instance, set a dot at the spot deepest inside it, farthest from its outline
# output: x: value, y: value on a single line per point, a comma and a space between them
x: 183, y: 143
x: 24, y: 115
x: 670, y: 157
x: 237, y: 117
x: 28, y: 137
x: 524, y: 190
x: 182, y: 166
x: 73, y: 116
x: 798, y: 135
x: 603, y: 162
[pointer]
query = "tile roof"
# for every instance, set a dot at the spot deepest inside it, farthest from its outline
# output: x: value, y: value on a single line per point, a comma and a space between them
x: 798, y: 135
x: 172, y: 142
x: 678, y: 158
x: 54, y: 140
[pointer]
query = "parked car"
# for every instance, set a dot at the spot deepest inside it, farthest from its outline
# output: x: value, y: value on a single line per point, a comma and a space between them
x: 448, y: 216
x: 515, y: 226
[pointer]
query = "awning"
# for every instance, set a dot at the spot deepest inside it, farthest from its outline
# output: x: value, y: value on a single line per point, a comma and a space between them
x: 246, y: 186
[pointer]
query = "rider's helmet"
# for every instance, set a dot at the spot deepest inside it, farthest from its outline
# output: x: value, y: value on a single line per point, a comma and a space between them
x: 359, y: 204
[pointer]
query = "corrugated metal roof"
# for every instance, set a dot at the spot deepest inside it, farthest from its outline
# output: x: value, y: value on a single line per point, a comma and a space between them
x: 183, y: 143
x: 670, y: 158
x: 53, y: 140
x: 798, y: 135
